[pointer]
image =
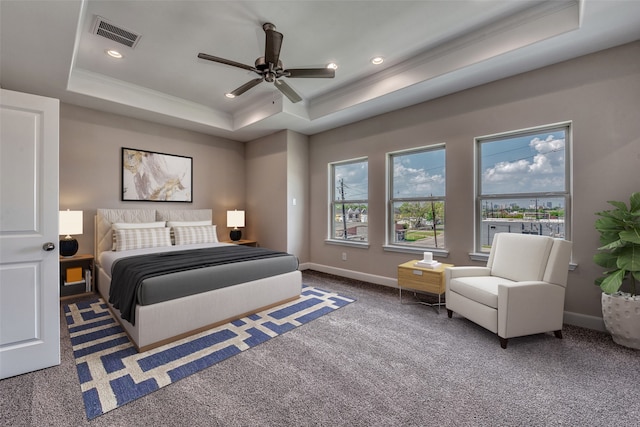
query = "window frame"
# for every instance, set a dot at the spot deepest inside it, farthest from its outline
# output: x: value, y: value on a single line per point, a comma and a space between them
x: 332, y: 202
x: 390, y: 235
x: 565, y: 194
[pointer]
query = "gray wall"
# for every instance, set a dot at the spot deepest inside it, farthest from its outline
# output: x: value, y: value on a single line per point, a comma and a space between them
x: 90, y: 167
x: 298, y: 190
x: 599, y: 93
x: 266, y: 166
x: 277, y: 173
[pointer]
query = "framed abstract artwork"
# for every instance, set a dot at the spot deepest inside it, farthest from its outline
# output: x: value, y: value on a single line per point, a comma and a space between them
x: 156, y: 177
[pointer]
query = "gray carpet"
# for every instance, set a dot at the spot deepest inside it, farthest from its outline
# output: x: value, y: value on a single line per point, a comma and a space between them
x: 372, y: 363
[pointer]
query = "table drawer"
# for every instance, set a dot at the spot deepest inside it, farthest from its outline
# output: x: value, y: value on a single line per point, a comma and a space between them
x: 421, y: 280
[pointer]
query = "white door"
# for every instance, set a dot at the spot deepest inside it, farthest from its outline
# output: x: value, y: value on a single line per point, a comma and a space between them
x: 29, y: 267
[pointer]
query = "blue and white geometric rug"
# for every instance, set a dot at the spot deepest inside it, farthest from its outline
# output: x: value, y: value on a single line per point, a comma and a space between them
x: 112, y: 373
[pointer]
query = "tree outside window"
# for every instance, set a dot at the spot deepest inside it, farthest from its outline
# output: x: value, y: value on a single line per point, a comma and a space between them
x: 417, y: 197
x: 349, y: 209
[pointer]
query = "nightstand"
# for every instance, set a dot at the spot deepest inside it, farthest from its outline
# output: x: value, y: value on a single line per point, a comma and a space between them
x: 422, y: 279
x: 242, y: 242
x: 76, y: 275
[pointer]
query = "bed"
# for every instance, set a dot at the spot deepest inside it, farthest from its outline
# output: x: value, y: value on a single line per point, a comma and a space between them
x: 160, y: 320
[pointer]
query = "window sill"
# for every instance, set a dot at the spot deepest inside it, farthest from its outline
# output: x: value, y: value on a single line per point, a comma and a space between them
x: 440, y: 253
x: 352, y: 243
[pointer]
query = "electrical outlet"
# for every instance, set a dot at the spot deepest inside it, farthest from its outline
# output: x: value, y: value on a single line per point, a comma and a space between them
x: 344, y: 256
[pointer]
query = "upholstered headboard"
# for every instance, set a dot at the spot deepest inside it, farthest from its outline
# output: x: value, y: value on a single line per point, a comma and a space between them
x: 106, y: 217
x: 183, y: 215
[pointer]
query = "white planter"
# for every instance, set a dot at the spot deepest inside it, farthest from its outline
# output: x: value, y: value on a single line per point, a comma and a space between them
x: 621, y: 315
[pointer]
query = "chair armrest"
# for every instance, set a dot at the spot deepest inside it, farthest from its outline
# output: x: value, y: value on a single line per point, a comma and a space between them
x: 529, y: 307
x: 466, y: 271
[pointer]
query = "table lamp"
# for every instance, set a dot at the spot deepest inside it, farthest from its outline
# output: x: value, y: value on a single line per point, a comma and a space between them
x: 235, y: 219
x: 70, y: 223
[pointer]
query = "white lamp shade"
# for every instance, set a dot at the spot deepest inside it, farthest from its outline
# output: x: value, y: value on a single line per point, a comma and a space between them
x: 70, y: 223
x: 235, y: 218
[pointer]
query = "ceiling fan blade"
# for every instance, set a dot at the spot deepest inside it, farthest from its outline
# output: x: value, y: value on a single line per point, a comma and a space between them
x: 287, y: 91
x: 226, y: 62
x: 273, y: 45
x: 245, y: 87
x: 297, y: 73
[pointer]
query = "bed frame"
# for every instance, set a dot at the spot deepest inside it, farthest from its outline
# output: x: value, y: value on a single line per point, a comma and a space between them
x: 168, y: 321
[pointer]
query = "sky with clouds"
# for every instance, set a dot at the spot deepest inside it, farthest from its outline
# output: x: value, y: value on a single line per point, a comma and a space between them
x: 353, y: 179
x: 419, y: 174
x: 522, y: 164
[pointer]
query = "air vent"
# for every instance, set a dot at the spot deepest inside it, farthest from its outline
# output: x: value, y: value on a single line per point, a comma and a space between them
x: 106, y: 29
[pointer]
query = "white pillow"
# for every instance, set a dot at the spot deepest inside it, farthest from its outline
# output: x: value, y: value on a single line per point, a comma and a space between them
x: 187, y: 223
x: 140, y: 238
x: 195, y: 234
x: 128, y: 225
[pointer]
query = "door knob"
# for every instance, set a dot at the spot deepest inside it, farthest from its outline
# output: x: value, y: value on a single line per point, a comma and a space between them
x: 49, y: 246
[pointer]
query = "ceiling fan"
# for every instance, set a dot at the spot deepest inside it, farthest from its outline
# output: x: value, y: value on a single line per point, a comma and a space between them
x: 270, y: 68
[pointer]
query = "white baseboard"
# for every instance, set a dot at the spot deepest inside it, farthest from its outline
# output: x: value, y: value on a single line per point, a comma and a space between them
x: 570, y: 318
x: 584, y: 321
x: 350, y: 274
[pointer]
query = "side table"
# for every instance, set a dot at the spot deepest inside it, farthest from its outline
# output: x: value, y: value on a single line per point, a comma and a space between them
x: 242, y: 242
x: 422, y: 279
x: 76, y: 275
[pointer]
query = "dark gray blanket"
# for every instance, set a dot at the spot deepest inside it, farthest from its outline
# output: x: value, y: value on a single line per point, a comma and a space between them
x: 127, y: 274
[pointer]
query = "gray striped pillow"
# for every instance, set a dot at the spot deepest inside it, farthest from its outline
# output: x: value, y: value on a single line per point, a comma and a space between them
x: 122, y: 225
x: 140, y: 238
x: 195, y: 234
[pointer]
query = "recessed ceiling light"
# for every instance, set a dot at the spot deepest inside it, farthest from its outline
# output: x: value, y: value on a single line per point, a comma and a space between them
x: 229, y: 95
x: 377, y: 60
x: 113, y: 53
x: 332, y: 66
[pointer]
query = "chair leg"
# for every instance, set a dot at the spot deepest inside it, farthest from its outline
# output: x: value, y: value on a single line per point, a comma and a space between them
x: 558, y: 334
x: 503, y: 342
x: 449, y: 313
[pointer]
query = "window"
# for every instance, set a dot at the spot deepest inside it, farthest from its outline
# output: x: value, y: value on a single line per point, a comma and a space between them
x: 416, y: 197
x: 349, y: 208
x: 523, y: 184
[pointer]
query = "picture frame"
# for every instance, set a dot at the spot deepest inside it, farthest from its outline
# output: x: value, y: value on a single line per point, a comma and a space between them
x: 150, y: 176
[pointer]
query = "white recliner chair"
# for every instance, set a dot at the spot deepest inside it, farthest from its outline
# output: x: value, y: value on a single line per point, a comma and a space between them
x: 520, y: 291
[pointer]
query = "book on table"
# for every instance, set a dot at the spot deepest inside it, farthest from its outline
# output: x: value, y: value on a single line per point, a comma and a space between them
x: 428, y: 264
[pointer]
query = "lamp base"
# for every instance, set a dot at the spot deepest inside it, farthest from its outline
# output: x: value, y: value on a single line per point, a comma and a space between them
x: 235, y: 235
x: 68, y: 247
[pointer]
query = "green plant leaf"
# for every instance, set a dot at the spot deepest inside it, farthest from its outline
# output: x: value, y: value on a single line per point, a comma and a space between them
x: 632, y: 236
x: 608, y: 237
x: 608, y: 224
x: 612, y: 245
x: 612, y: 283
x: 606, y: 260
x: 620, y: 205
x: 629, y: 258
x: 634, y: 202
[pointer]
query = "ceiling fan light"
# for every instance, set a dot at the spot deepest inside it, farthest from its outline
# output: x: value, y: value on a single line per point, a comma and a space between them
x: 229, y: 95
x: 113, y: 53
x: 332, y: 66
x: 377, y: 60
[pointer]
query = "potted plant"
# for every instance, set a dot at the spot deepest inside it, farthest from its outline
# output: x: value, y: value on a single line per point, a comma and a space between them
x: 619, y: 254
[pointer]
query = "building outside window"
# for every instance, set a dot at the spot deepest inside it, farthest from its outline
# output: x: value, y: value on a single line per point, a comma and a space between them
x: 523, y: 184
x: 349, y: 208
x: 417, y: 197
